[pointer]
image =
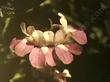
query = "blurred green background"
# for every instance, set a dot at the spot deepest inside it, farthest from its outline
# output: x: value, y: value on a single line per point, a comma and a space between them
x: 91, y: 15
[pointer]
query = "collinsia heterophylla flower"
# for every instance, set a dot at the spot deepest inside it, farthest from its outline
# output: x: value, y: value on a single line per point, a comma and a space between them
x: 45, y: 48
x: 62, y: 77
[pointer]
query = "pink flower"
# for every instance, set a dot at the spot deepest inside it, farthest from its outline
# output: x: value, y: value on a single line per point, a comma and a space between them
x: 45, y: 48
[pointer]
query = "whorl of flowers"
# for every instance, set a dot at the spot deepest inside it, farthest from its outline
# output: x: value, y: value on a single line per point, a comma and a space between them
x: 48, y: 47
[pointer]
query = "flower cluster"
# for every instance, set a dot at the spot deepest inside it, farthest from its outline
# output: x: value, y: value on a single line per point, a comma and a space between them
x: 48, y: 47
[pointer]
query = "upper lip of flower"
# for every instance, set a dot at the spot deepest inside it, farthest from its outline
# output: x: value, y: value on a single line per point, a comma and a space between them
x: 47, y: 38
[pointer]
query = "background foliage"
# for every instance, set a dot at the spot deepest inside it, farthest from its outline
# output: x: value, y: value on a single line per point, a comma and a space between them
x: 92, y: 15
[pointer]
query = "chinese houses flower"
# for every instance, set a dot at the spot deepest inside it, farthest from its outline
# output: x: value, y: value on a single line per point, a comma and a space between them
x: 48, y: 47
x: 62, y: 77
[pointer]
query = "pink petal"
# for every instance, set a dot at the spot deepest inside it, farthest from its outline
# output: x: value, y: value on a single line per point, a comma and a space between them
x: 74, y: 48
x: 37, y: 58
x: 22, y: 48
x: 79, y: 36
x: 49, y: 57
x: 13, y: 43
x: 65, y: 56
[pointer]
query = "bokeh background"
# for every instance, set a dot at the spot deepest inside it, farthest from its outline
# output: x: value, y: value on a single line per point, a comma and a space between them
x: 91, y: 15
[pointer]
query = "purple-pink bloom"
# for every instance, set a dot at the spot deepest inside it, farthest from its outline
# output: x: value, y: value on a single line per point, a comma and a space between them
x: 44, y: 47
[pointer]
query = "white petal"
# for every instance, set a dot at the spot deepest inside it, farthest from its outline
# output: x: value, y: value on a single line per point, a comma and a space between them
x: 48, y: 36
x: 37, y: 36
x: 63, y: 20
x: 66, y: 71
x: 44, y: 49
x: 56, y: 71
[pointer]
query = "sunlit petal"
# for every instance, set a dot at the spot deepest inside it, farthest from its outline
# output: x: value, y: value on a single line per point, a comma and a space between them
x: 66, y: 72
x: 37, y: 36
x: 48, y: 36
x: 63, y: 20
